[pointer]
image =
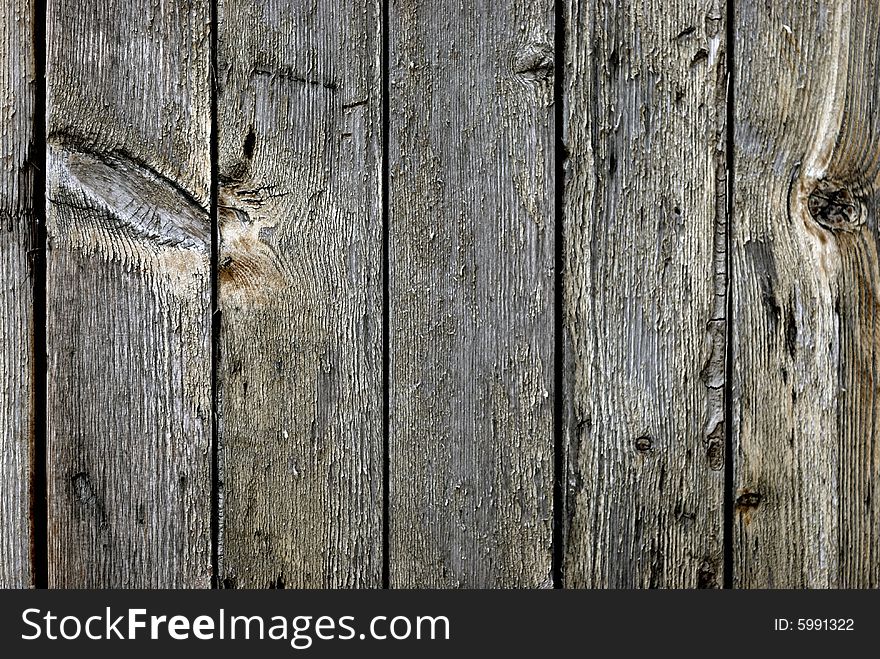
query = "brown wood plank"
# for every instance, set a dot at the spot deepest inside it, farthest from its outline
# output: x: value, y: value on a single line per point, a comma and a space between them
x: 128, y: 287
x: 17, y: 84
x: 300, y: 292
x: 644, y: 289
x: 806, y: 284
x: 471, y: 240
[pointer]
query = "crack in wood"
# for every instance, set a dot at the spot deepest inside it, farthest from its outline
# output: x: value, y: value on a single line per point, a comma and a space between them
x: 287, y: 74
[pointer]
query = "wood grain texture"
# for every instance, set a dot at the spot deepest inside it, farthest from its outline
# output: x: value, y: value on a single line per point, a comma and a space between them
x: 128, y: 287
x: 17, y: 76
x: 300, y: 375
x: 644, y: 289
x: 471, y: 240
x: 806, y: 284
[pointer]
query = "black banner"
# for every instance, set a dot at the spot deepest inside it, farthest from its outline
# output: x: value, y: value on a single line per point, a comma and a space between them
x: 435, y: 623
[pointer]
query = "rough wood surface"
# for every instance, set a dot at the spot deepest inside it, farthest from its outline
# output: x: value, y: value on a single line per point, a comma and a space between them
x: 16, y: 206
x: 644, y: 309
x: 805, y: 286
x: 128, y: 287
x: 471, y: 239
x: 300, y: 376
x: 651, y: 392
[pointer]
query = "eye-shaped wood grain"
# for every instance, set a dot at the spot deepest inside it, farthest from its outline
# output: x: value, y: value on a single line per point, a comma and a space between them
x: 128, y: 294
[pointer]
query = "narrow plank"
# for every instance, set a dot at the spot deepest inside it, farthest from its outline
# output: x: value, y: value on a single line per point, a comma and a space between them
x: 644, y: 293
x: 806, y: 286
x: 471, y: 257
x: 300, y: 292
x: 128, y: 287
x: 17, y: 78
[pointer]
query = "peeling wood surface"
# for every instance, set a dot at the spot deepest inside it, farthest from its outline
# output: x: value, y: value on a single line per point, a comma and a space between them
x: 485, y: 195
x: 300, y: 288
x: 16, y: 214
x: 128, y: 294
x: 805, y: 288
x: 644, y: 294
x: 471, y: 248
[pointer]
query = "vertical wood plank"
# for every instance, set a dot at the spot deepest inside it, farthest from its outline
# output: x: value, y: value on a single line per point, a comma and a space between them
x: 17, y: 80
x: 471, y: 240
x: 644, y: 293
x: 128, y: 287
x: 300, y: 293
x: 806, y: 286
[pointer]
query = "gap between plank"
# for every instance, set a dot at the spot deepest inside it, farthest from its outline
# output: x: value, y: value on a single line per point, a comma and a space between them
x: 558, y: 558
x: 730, y: 35
x: 216, y: 496
x: 386, y: 424
x: 39, y: 478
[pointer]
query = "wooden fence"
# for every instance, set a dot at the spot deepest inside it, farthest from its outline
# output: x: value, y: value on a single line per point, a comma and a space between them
x: 439, y: 294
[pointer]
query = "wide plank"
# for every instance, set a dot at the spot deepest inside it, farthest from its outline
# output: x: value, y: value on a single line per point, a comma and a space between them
x: 300, y: 293
x: 644, y: 310
x: 471, y: 290
x: 805, y: 293
x: 128, y: 294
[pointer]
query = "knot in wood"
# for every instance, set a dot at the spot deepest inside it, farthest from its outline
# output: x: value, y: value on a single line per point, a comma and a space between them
x: 534, y: 62
x: 82, y: 486
x: 644, y: 444
x: 834, y: 206
x: 748, y: 500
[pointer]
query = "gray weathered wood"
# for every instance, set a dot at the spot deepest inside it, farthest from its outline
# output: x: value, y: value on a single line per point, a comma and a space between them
x: 16, y: 213
x: 805, y: 290
x: 300, y: 293
x: 128, y: 287
x: 471, y: 293
x: 644, y: 307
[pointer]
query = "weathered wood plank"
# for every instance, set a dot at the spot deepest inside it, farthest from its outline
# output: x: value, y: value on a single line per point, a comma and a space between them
x: 300, y: 293
x: 17, y: 78
x: 471, y: 240
x: 644, y: 293
x: 128, y: 287
x: 805, y: 291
